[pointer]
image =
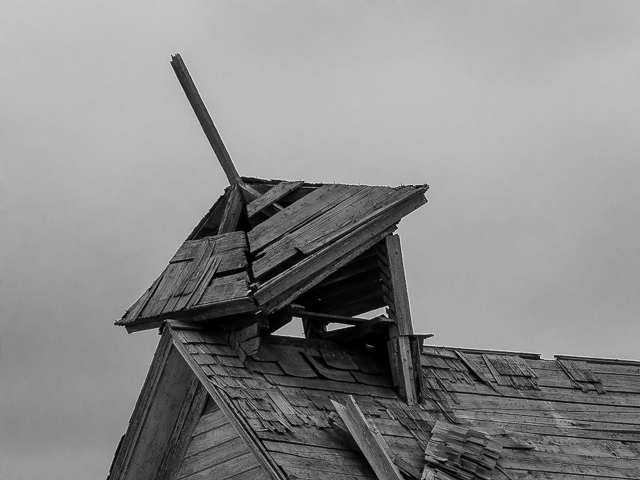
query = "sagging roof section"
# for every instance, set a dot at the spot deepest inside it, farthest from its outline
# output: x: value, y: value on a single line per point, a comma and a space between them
x: 245, y: 259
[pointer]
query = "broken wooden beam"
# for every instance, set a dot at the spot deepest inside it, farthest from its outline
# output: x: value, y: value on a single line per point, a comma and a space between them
x: 369, y: 439
x: 271, y: 196
x: 376, y: 327
x: 204, y: 118
x: 299, y: 311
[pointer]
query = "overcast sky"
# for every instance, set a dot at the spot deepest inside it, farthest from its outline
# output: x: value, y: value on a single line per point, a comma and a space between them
x: 524, y: 117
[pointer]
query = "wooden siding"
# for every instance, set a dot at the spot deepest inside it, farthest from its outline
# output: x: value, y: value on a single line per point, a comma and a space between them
x: 167, y: 397
x: 216, y: 451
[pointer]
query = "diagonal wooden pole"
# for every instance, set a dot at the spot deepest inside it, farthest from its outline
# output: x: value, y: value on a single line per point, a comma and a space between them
x: 204, y: 118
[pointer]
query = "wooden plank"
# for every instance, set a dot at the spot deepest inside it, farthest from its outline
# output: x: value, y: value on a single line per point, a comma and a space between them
x: 190, y: 277
x: 204, y: 118
x: 329, y: 464
x: 256, y: 473
x: 213, y: 456
x: 210, y: 421
x: 126, y: 448
x: 188, y: 419
x: 232, y: 211
x: 368, y: 439
x: 571, y: 464
x: 273, y: 256
x: 272, y: 195
x: 597, y: 360
x: 164, y: 291
x: 226, y: 288
x: 223, y: 243
x: 398, y: 287
x: 337, y: 221
x: 375, y: 202
x: 211, y: 438
x: 325, y: 317
x: 303, y: 436
x: 298, y: 214
x: 233, y: 466
x: 622, y: 435
x: 138, y: 306
x: 194, y: 297
x: 306, y: 474
x: 163, y: 410
x: 312, y: 451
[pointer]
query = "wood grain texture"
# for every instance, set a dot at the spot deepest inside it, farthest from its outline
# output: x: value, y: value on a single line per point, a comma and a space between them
x: 399, y: 292
x: 271, y: 196
x: 369, y: 440
x: 204, y: 118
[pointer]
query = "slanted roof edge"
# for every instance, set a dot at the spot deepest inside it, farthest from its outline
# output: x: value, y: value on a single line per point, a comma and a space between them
x: 235, y: 418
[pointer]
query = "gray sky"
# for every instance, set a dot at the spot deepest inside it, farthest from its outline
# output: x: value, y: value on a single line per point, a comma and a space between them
x: 524, y: 117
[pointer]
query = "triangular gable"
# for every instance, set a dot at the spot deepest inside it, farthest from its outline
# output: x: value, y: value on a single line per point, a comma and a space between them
x: 177, y: 429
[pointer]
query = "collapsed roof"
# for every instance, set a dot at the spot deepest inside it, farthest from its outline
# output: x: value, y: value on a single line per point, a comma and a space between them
x: 262, y: 256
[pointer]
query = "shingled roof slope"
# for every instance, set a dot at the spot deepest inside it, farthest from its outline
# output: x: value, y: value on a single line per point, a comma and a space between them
x: 562, y: 419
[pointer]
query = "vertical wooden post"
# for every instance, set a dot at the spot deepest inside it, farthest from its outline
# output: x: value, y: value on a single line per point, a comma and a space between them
x: 399, y: 293
x: 404, y: 354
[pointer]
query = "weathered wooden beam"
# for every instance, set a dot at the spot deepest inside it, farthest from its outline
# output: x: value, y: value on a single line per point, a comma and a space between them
x: 299, y: 311
x: 232, y: 211
x: 398, y: 287
x: 347, y: 335
x: 369, y: 439
x: 271, y: 196
x: 204, y: 118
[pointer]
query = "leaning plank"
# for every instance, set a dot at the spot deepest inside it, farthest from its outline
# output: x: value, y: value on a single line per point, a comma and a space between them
x: 273, y: 195
x: 368, y: 439
x: 204, y: 118
x: 398, y: 287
